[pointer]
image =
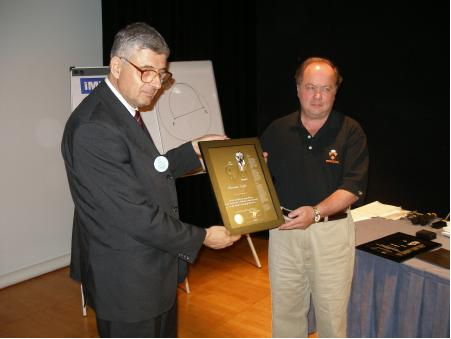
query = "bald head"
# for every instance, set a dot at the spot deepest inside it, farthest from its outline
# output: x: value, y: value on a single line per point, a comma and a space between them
x: 318, y: 62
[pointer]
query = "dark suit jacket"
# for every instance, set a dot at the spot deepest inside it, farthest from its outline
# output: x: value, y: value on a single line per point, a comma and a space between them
x: 127, y: 238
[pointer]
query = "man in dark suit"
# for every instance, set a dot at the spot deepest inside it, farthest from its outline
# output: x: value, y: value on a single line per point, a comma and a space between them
x: 129, y: 248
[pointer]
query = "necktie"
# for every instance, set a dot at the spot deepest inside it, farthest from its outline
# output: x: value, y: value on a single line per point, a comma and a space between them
x: 138, y: 119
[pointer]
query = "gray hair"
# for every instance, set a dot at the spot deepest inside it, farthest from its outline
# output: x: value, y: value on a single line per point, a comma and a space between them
x: 138, y: 35
x: 300, y: 71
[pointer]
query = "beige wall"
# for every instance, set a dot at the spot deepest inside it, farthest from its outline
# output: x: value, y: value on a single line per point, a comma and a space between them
x: 39, y: 41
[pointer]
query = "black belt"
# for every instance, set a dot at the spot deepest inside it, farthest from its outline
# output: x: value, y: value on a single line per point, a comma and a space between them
x: 336, y: 216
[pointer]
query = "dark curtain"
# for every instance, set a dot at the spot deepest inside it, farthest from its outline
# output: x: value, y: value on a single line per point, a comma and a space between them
x: 394, y: 57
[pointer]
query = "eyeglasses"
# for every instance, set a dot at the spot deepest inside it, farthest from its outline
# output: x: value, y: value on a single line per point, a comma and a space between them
x: 148, y: 75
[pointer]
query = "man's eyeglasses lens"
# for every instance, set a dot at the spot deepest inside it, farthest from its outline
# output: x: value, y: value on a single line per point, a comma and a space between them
x: 149, y: 75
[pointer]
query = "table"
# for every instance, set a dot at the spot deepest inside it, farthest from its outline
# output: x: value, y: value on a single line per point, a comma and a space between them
x: 390, y: 299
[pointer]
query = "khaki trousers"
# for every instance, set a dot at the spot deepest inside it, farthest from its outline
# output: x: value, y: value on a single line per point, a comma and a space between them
x: 318, y: 261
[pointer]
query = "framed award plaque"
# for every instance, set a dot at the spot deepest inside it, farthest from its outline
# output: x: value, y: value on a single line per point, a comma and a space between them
x: 242, y: 185
x: 398, y: 246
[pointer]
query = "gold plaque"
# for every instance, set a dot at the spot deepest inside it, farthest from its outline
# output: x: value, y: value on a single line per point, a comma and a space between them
x: 242, y: 185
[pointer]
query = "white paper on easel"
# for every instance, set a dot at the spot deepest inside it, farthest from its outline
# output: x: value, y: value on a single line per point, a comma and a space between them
x: 188, y: 109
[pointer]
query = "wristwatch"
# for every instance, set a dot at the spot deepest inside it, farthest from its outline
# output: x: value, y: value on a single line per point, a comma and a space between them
x: 316, y: 215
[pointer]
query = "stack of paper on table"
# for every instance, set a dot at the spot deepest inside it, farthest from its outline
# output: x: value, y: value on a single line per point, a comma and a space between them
x: 377, y: 209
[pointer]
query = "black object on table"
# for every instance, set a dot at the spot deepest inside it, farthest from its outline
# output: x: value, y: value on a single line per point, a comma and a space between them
x: 398, y: 246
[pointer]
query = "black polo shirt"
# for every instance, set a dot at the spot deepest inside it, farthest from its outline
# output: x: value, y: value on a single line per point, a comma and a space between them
x: 307, y: 169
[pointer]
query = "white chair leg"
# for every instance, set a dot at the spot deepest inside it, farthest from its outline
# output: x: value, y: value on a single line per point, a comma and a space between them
x: 84, y: 308
x: 254, y: 253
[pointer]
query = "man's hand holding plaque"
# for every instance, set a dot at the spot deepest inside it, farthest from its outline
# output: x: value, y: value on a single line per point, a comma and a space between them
x: 219, y: 237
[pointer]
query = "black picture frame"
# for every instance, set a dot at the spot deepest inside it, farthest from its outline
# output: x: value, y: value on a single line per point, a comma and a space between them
x: 398, y: 246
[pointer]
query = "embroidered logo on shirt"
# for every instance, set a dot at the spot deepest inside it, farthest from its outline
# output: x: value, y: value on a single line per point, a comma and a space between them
x: 333, y: 155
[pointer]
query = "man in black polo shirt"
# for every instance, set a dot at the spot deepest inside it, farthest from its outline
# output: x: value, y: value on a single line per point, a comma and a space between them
x: 319, y: 160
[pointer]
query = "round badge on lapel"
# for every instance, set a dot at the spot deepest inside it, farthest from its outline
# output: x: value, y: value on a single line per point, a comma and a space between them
x: 161, y: 163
